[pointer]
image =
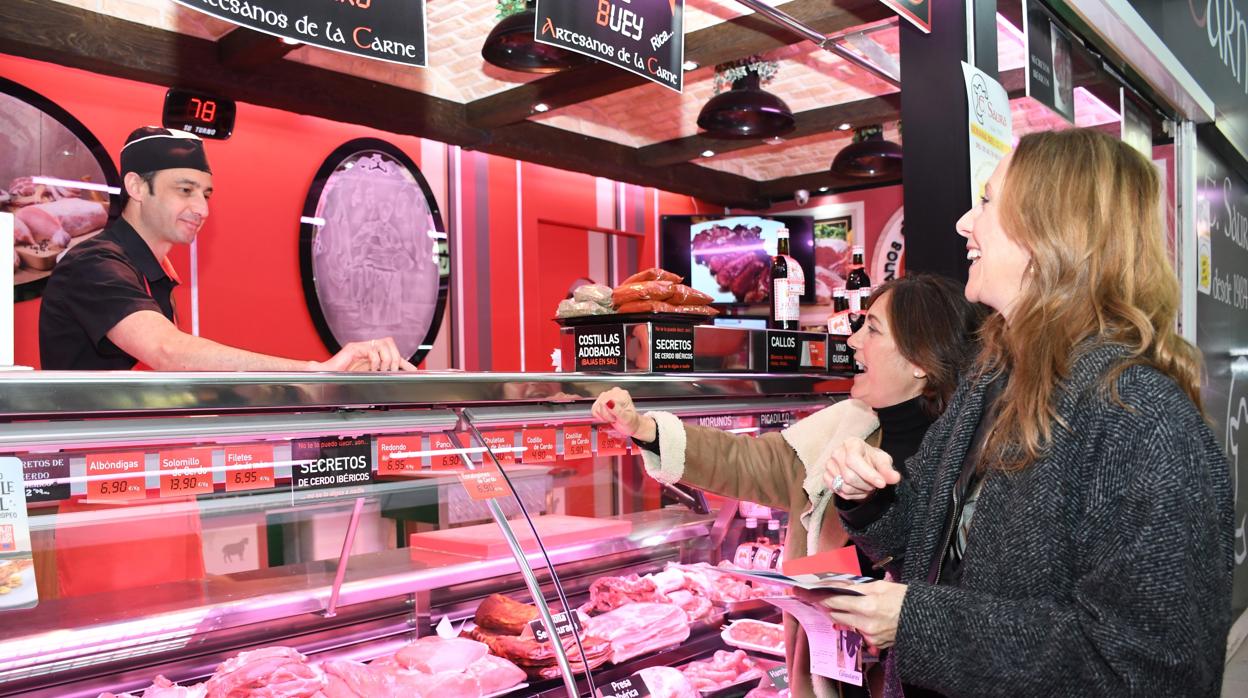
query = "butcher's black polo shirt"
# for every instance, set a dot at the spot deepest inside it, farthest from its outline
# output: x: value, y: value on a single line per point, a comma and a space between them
x: 94, y: 286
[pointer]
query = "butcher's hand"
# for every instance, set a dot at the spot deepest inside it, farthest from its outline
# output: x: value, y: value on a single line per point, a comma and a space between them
x: 373, y: 355
x: 874, y: 614
x: 615, y: 407
x: 856, y: 469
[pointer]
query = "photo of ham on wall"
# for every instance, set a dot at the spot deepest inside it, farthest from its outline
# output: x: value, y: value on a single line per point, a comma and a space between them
x: 54, y: 178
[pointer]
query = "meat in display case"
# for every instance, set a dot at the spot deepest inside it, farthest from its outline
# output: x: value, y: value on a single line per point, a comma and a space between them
x: 355, y: 535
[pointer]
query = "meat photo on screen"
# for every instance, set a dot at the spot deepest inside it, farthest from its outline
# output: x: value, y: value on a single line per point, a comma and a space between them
x: 735, y: 258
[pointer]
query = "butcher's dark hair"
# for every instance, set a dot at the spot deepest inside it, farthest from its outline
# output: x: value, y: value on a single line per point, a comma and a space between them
x: 935, y: 328
x: 148, y: 177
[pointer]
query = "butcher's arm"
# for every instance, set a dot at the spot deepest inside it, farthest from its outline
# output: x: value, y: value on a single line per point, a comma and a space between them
x: 152, y: 339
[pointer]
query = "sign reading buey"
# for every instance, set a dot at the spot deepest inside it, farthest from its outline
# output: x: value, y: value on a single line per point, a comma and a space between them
x: 387, y: 31
x: 646, y: 37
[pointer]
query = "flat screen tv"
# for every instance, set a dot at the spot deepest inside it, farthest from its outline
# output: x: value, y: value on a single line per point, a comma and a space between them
x: 728, y: 257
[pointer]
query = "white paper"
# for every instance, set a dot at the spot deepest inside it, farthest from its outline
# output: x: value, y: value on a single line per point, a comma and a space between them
x: 989, y: 124
x: 833, y: 653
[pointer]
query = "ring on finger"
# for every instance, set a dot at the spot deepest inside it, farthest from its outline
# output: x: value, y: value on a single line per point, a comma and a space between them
x: 837, y: 483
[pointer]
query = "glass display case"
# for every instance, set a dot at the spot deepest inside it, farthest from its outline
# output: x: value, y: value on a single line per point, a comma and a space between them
x: 177, y: 520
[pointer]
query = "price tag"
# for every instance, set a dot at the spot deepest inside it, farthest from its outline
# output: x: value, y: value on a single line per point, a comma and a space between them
x: 255, y: 478
x: 450, y: 459
x: 576, y: 443
x: 779, y: 676
x: 484, y: 483
x: 563, y: 628
x: 539, y: 445
x: 185, y: 471
x: 41, y: 468
x: 818, y: 355
x: 387, y: 449
x: 126, y: 485
x: 610, y: 443
x: 628, y: 687
x: 500, y: 440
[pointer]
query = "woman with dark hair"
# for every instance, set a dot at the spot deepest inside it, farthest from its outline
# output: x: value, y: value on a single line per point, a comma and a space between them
x: 917, y: 335
x: 1066, y: 527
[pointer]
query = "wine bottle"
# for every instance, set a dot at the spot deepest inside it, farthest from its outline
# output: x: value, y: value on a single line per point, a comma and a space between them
x: 784, y: 304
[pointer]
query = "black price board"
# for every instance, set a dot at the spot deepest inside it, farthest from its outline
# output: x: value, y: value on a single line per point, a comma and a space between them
x: 385, y: 31
x: 53, y: 466
x: 840, y: 356
x: 332, y: 462
x: 563, y: 627
x: 779, y: 677
x: 672, y: 350
x: 784, y: 352
x: 629, y: 687
x: 1050, y: 65
x: 646, y: 37
x: 599, y: 348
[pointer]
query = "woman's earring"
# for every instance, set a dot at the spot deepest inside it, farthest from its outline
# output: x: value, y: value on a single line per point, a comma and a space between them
x: 919, y: 374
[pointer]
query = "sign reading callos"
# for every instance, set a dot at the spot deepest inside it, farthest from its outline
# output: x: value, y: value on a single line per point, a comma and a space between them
x: 646, y: 37
x: 386, y: 30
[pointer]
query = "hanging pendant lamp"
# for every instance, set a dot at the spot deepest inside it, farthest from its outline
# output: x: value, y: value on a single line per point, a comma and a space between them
x: 869, y: 156
x: 511, y: 46
x: 746, y: 111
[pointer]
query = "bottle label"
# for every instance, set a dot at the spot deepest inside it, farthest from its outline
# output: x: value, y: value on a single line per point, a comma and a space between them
x: 745, y: 555
x: 797, y: 277
x: 839, y: 323
x: 855, y: 302
x: 786, y: 303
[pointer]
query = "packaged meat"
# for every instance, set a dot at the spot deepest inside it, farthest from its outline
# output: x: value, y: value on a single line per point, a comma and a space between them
x: 722, y: 670
x: 648, y: 307
x: 593, y: 293
x: 653, y: 274
x: 639, y: 628
x: 574, y: 308
x: 432, y: 654
x: 666, y: 682
x: 686, y: 295
x: 644, y: 291
x: 504, y: 615
x: 755, y: 635
x: 706, y: 310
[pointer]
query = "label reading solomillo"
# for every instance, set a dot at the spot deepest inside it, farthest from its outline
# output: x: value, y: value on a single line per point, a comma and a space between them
x: 599, y: 348
x: 783, y: 353
x: 673, y: 348
x: 331, y: 462
x: 44, y: 468
x: 563, y: 627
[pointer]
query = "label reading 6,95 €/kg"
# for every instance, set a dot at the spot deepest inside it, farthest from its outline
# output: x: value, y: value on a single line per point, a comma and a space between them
x: 248, y: 467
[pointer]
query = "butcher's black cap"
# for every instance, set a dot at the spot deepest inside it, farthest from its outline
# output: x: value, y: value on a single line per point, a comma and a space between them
x: 152, y: 148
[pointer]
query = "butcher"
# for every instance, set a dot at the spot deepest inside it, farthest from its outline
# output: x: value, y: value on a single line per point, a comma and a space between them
x: 109, y: 302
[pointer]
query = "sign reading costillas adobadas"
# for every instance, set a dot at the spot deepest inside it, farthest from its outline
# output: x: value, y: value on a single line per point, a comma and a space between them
x: 646, y: 37
x: 386, y: 30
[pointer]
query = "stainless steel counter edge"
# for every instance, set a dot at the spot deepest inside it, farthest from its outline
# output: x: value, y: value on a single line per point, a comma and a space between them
x: 33, y: 394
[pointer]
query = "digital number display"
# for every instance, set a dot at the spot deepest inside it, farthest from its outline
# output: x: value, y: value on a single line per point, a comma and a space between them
x: 204, y: 115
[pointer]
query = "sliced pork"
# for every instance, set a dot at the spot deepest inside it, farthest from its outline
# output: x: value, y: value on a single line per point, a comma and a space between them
x: 666, y: 682
x: 434, y: 655
x: 270, y: 672
x: 639, y: 628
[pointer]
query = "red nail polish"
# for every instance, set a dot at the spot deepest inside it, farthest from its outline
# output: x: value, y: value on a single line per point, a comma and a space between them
x: 610, y: 404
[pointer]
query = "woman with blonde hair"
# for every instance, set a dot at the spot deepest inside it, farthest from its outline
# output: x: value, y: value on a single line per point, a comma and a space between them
x: 1066, y: 525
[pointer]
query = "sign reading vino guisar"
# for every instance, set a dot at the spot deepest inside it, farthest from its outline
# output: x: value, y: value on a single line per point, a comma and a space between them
x: 387, y: 30
x: 646, y: 37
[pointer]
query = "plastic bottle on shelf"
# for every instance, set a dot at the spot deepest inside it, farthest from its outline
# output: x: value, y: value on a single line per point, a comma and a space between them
x: 744, y: 557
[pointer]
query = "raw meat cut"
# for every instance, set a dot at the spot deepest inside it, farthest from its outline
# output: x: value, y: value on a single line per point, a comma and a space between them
x: 610, y: 593
x: 270, y: 672
x: 753, y: 632
x: 163, y: 688
x: 695, y: 607
x: 433, y: 654
x: 504, y: 615
x: 355, y: 680
x: 639, y: 628
x: 76, y: 216
x: 495, y: 674
x: 21, y: 232
x: 721, y: 670
x: 538, y: 659
x: 666, y: 682
x: 43, y: 225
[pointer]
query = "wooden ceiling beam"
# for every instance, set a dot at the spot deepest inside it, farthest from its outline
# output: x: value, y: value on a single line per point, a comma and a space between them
x: 782, y: 189
x: 247, y: 49
x: 735, y: 38
x: 79, y: 38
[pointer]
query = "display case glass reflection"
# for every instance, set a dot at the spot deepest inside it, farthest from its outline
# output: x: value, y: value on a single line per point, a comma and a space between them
x: 374, y: 250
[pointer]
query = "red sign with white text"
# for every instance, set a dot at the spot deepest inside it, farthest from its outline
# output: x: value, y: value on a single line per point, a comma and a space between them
x: 125, y: 486
x: 576, y: 443
x: 501, y: 444
x: 610, y: 443
x: 539, y: 445
x: 390, y: 458
x: 450, y: 458
x: 485, y: 482
x: 185, y: 471
x: 259, y: 473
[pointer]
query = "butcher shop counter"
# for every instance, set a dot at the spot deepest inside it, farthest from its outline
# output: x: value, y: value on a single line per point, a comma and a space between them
x: 177, y: 519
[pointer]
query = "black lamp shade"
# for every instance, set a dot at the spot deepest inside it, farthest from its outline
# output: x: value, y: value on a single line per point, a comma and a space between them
x: 746, y: 111
x: 870, y: 158
x: 511, y: 46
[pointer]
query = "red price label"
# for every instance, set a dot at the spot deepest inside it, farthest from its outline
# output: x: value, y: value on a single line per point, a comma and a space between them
x: 503, y: 444
x: 817, y: 354
x: 576, y: 443
x: 450, y: 457
x: 391, y: 450
x: 610, y: 443
x: 539, y: 445
x: 259, y: 474
x: 484, y: 483
x: 185, y: 471
x: 125, y: 486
